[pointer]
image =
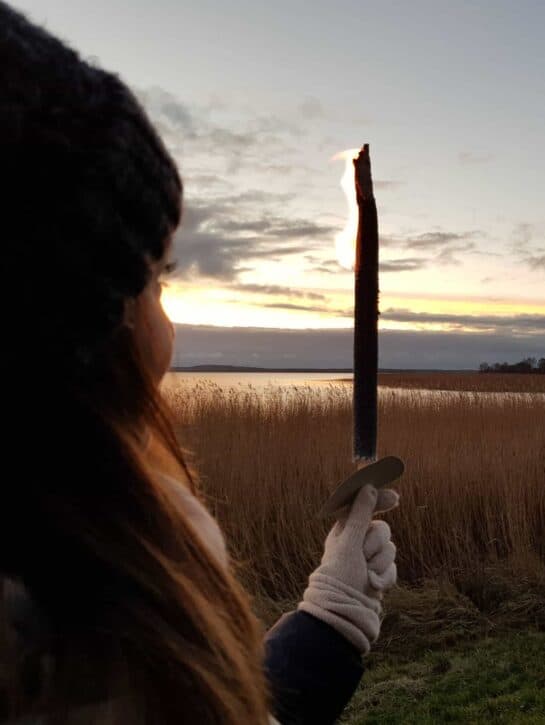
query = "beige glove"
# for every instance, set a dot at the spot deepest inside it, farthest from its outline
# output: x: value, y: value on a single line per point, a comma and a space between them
x: 358, y: 565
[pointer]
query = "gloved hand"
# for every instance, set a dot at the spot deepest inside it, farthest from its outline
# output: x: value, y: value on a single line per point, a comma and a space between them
x: 358, y: 565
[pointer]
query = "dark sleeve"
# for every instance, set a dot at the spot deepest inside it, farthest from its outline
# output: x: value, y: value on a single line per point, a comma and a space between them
x: 312, y: 670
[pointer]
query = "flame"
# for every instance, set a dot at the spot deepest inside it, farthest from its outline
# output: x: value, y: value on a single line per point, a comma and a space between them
x: 345, y: 241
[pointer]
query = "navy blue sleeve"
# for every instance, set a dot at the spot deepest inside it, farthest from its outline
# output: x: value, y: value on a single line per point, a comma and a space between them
x: 312, y: 670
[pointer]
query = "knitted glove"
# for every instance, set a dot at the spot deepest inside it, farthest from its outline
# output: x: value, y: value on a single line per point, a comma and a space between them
x: 356, y: 568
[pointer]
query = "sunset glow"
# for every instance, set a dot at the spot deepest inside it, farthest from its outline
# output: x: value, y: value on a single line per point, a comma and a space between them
x: 267, y: 237
x: 193, y: 305
x: 198, y: 307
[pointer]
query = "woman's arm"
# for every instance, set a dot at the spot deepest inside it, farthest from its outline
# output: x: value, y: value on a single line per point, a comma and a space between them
x: 314, y: 655
x: 313, y: 670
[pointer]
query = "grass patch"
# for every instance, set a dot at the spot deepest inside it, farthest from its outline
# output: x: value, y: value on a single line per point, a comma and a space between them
x: 495, y: 680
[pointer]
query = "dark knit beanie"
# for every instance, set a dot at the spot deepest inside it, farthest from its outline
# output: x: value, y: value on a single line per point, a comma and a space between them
x: 90, y: 194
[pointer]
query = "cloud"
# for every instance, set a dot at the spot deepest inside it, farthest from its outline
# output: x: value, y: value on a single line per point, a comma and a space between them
x: 528, y: 246
x: 209, y: 136
x: 233, y: 141
x: 446, y: 256
x: 304, y: 308
x: 164, y: 106
x: 226, y: 229
x: 277, y: 290
x: 327, y: 266
x: 440, y: 247
x: 325, y: 309
x: 514, y: 324
x: 219, y: 239
x: 206, y: 181
x: 436, y: 240
x: 523, y: 234
x: 536, y: 261
x: 325, y: 269
x: 403, y: 265
x: 334, y: 348
x: 232, y: 202
x: 390, y: 240
x: 474, y: 157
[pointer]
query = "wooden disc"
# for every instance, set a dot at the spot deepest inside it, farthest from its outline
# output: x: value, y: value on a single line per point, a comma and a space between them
x: 378, y: 474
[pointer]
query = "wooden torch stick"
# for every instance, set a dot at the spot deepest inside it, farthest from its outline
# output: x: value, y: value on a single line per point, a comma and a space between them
x: 388, y: 469
x: 365, y: 314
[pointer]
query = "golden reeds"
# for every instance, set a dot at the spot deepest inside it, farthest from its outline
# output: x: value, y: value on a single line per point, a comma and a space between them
x: 478, y: 382
x: 473, y: 494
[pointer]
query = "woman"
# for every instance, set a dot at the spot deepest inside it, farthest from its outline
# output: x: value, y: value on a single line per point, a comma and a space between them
x: 119, y: 604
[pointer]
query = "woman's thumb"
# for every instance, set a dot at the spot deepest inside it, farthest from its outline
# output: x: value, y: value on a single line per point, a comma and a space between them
x: 361, y: 512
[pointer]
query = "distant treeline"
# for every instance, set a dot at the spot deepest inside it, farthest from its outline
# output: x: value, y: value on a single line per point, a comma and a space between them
x: 528, y: 365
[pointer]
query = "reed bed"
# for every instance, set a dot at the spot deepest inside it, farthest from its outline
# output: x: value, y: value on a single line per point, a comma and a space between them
x: 471, y: 381
x: 473, y: 493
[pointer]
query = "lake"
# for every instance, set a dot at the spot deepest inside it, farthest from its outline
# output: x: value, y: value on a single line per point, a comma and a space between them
x: 260, y: 381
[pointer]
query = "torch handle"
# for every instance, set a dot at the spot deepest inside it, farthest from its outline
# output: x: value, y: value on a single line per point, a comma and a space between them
x: 366, y: 332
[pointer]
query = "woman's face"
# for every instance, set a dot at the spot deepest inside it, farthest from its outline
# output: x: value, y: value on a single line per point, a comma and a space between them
x: 154, y: 332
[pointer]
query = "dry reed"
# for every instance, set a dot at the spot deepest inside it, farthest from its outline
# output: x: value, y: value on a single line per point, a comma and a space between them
x: 473, y: 494
x: 478, y: 382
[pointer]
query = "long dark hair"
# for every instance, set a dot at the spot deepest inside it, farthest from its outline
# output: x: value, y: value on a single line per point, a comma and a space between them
x: 132, y: 600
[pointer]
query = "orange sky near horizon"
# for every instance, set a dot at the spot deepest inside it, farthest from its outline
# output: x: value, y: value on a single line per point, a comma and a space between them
x: 447, y: 98
x: 190, y: 303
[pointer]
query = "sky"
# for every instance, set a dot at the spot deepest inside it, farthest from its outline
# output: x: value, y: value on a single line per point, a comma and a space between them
x: 255, y: 99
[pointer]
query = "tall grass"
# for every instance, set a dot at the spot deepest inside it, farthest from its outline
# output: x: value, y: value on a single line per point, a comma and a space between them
x: 473, y: 494
x: 478, y: 382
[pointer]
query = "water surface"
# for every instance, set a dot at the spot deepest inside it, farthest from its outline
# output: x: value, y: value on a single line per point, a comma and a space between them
x: 317, y: 381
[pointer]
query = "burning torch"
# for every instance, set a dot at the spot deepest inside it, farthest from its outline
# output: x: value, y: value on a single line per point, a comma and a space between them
x: 358, y: 248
